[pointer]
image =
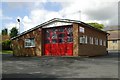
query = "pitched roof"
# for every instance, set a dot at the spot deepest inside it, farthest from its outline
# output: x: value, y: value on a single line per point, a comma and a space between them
x: 114, y: 35
x: 56, y: 20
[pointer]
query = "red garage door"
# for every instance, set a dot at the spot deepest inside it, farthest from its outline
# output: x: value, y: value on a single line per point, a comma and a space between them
x: 59, y: 41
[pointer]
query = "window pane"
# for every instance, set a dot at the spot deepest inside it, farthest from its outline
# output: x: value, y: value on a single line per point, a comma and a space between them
x: 70, y: 34
x: 114, y: 41
x: 70, y: 30
x: 47, y: 41
x: 100, y: 42
x: 70, y: 40
x: 91, y: 40
x: 81, y: 29
x: 104, y: 43
x: 54, y: 30
x: 61, y: 35
x: 86, y: 40
x: 61, y: 40
x: 81, y: 39
x: 54, y: 35
x: 29, y: 42
x: 47, y: 34
x: 61, y: 29
x: 96, y: 41
x: 54, y: 41
x: 32, y: 42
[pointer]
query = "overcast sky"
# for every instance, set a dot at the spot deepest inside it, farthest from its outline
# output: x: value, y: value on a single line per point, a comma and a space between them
x: 33, y: 13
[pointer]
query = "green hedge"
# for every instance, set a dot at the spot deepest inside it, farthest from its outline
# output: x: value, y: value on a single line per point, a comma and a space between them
x: 6, y: 45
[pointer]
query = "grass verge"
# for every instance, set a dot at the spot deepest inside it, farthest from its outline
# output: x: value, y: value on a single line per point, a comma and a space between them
x: 6, y: 52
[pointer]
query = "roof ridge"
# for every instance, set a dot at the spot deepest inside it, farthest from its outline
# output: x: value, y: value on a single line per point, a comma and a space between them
x: 53, y: 20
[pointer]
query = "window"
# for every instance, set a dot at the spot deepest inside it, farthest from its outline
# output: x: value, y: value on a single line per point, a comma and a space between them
x: 61, y: 35
x: 81, y: 29
x: 100, y: 41
x: 61, y: 40
x: 69, y: 39
x: 96, y: 41
x: 104, y: 43
x: 47, y: 41
x: 30, y: 42
x: 47, y: 34
x: 54, y: 40
x: 114, y: 41
x: 61, y: 29
x: 69, y: 34
x: 91, y: 40
x: 70, y: 30
x: 54, y: 35
x: 83, y: 39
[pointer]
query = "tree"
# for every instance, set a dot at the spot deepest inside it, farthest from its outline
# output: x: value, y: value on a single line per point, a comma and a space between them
x: 6, y: 45
x: 97, y: 25
x: 13, y: 32
x: 5, y: 31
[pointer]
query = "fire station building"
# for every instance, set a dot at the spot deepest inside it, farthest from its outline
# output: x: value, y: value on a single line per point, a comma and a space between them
x: 60, y: 37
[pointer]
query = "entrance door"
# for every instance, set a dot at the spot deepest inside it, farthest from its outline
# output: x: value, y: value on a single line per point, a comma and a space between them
x: 59, y: 41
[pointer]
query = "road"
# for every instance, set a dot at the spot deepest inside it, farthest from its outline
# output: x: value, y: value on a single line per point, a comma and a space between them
x: 60, y: 67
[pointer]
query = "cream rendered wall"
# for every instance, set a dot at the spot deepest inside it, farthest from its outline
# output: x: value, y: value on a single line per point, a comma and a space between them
x: 114, y: 46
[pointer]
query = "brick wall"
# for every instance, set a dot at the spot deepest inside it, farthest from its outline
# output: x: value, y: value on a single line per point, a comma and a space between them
x: 19, y: 48
x: 88, y: 49
x: 75, y: 40
x: 92, y: 49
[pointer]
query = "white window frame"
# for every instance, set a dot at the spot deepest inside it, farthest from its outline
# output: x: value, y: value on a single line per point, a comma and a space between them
x: 81, y: 29
x: 83, y: 39
x: 96, y: 41
x: 104, y: 43
x: 86, y: 39
x: 100, y: 41
x: 28, y: 40
x: 91, y: 40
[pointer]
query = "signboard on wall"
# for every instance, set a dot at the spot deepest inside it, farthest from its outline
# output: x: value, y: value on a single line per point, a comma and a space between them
x: 81, y: 29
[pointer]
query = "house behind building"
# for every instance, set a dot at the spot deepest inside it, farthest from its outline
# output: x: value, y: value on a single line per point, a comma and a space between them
x: 113, y: 38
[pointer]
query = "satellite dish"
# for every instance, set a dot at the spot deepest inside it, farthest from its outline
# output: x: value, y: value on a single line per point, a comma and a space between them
x: 18, y: 20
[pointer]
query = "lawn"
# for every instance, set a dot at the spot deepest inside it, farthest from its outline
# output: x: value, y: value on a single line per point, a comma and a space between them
x: 6, y: 52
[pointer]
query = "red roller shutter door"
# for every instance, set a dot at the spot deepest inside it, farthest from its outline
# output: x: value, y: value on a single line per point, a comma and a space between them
x: 58, y: 42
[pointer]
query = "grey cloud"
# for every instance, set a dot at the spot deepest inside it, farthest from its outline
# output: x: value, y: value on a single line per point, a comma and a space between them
x: 104, y: 12
x: 119, y: 13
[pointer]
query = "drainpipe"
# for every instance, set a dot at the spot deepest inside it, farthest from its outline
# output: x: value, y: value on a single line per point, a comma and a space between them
x: 107, y: 42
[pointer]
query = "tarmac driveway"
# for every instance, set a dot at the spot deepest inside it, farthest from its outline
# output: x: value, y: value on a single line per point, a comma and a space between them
x: 60, y: 67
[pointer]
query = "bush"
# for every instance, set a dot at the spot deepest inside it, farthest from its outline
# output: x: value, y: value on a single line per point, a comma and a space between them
x: 6, y: 45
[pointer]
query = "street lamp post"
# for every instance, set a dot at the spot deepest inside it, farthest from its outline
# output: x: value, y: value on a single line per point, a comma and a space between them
x: 18, y: 25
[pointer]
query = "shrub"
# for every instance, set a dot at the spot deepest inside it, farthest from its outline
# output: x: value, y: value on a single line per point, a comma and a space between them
x: 6, y: 45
